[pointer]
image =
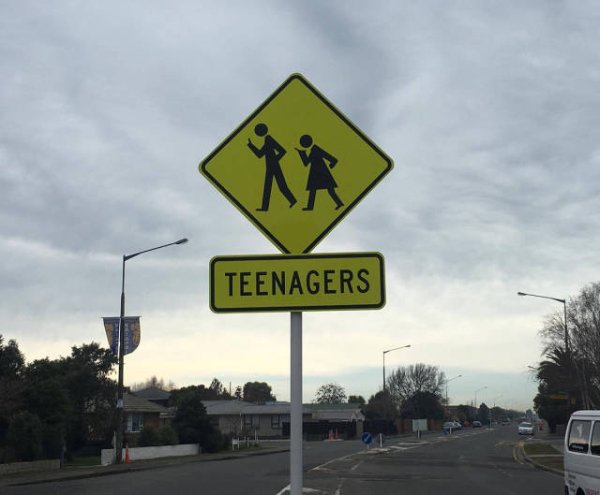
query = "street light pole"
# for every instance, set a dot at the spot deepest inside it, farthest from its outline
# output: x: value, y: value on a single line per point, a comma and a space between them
x: 120, y: 426
x: 384, y: 353
x: 448, y: 381
x: 493, y: 407
x: 478, y: 390
x: 564, y: 303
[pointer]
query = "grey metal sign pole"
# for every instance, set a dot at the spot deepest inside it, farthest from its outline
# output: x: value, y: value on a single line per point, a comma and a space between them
x: 296, y: 461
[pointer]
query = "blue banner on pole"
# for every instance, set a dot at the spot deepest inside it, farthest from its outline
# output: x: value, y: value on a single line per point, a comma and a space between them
x: 132, y: 333
x: 111, y: 326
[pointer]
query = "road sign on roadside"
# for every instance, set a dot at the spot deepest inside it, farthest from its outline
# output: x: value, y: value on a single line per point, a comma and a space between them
x: 296, y: 166
x: 297, y: 282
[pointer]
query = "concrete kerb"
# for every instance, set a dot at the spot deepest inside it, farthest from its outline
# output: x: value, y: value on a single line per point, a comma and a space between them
x: 77, y: 473
x: 544, y: 461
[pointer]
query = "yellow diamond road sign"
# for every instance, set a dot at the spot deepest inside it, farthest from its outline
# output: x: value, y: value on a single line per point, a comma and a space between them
x: 296, y: 166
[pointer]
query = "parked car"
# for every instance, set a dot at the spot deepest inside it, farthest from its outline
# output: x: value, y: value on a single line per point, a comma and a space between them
x: 525, y: 428
x: 476, y: 424
x: 449, y: 426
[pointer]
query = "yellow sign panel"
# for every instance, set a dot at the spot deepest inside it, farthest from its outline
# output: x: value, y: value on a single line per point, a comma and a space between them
x: 297, y: 282
x: 296, y: 166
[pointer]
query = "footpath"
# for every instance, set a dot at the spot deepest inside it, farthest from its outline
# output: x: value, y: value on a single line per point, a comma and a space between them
x: 545, y: 451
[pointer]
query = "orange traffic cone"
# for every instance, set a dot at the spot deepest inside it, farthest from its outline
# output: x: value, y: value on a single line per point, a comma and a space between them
x: 127, y: 460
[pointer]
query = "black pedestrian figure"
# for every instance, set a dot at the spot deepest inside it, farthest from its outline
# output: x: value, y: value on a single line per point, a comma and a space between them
x: 273, y: 153
x: 319, y: 176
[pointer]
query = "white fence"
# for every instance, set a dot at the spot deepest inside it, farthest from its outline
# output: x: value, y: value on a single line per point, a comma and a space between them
x: 142, y: 453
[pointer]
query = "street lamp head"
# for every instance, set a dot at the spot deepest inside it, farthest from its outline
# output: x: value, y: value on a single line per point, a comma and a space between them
x: 521, y: 294
x: 396, y: 348
x: 181, y: 241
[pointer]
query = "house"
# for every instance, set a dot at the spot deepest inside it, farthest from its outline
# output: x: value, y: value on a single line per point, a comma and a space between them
x: 235, y: 417
x: 140, y: 413
x: 241, y: 418
x: 337, y: 421
x: 272, y: 420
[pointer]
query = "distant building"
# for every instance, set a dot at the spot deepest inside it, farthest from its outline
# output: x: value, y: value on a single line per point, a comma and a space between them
x: 272, y: 420
x: 150, y: 407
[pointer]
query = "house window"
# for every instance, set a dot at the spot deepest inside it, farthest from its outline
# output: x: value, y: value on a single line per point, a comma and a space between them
x: 135, y: 422
x: 250, y: 422
x: 276, y: 421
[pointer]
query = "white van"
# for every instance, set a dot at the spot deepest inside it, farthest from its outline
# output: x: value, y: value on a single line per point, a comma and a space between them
x: 582, y: 454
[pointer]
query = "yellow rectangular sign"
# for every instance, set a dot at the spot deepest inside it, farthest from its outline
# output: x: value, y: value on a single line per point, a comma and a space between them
x: 297, y: 282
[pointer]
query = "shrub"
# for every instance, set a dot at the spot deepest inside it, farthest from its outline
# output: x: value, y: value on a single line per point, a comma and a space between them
x: 167, y: 435
x: 148, y: 437
x: 24, y: 437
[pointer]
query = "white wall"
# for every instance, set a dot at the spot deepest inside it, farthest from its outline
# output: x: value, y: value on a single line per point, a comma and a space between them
x: 142, y: 453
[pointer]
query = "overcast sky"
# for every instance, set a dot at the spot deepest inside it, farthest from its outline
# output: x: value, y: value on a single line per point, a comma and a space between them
x: 490, y: 111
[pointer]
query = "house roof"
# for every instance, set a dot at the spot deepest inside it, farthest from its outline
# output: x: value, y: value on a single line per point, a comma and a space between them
x: 344, y: 405
x: 224, y: 407
x: 132, y: 403
x: 153, y: 393
x: 236, y: 407
x: 330, y: 412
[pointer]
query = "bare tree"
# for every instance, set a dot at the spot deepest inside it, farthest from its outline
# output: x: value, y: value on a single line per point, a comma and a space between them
x: 582, y: 366
x: 405, y: 382
x: 330, y: 393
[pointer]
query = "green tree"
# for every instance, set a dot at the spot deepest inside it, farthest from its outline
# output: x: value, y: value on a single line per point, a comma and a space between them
x: 238, y: 393
x: 465, y: 413
x: 192, y: 423
x: 356, y: 399
x: 219, y: 391
x: 423, y: 405
x: 12, y: 361
x: 24, y: 438
x: 483, y: 413
x: 12, y: 364
x: 381, y: 412
x: 91, y: 391
x: 83, y: 396
x: 215, y: 391
x: 557, y: 395
x: 167, y: 435
x: 330, y: 393
x: 153, y: 382
x: 148, y: 437
x: 49, y: 399
x: 258, y: 392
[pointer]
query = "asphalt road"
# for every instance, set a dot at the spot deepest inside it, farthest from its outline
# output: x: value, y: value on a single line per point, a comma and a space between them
x: 468, y: 462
